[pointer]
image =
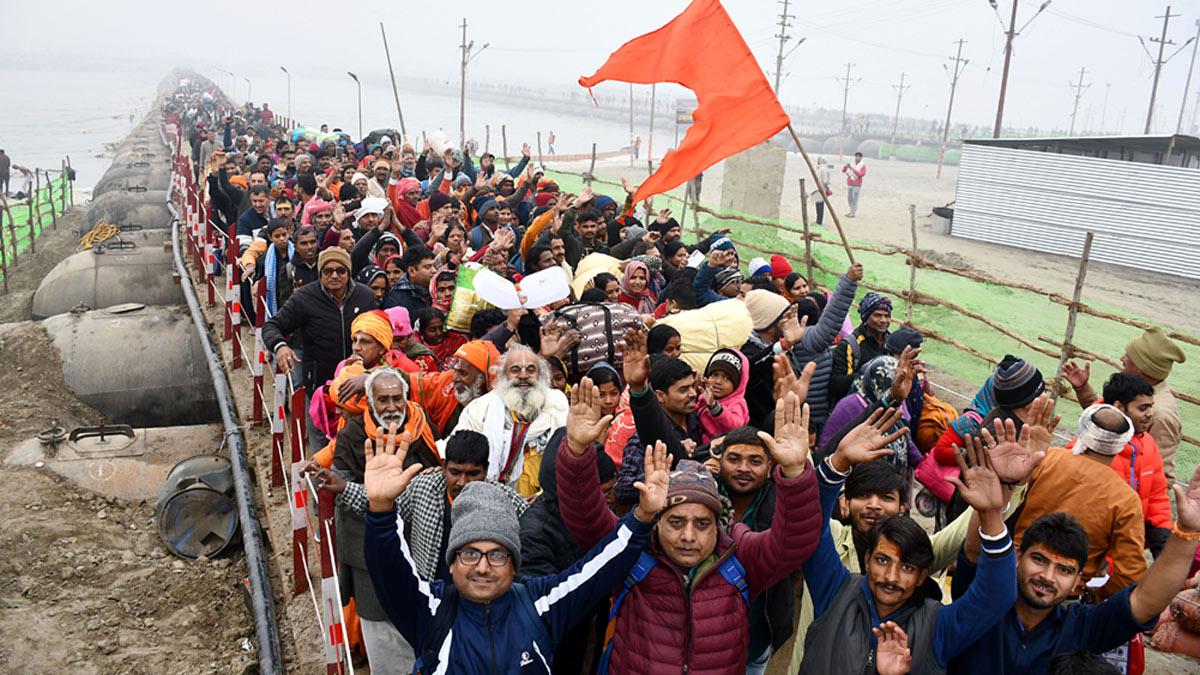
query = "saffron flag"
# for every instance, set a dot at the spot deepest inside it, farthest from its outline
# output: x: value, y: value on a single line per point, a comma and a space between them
x: 702, y: 50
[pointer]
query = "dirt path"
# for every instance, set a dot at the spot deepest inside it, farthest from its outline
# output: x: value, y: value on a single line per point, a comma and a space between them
x: 86, y: 587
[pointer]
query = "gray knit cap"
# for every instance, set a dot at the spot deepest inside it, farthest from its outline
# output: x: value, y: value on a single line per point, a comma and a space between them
x: 483, y: 512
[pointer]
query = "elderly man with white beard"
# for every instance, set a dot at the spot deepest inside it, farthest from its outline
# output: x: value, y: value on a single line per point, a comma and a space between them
x: 389, y: 409
x: 518, y: 417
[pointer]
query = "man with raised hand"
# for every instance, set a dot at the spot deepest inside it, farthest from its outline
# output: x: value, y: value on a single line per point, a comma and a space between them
x: 486, y: 621
x: 1041, y: 623
x: 685, y: 605
x: 895, y: 586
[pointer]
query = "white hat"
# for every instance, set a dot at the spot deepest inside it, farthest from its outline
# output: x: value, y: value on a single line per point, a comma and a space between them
x: 374, y: 205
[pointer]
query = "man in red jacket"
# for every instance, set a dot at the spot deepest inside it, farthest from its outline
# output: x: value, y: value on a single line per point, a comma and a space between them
x: 689, y: 611
x: 1140, y: 463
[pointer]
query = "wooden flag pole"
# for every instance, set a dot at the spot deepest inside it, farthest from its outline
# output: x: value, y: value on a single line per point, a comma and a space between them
x: 395, y: 91
x: 821, y: 186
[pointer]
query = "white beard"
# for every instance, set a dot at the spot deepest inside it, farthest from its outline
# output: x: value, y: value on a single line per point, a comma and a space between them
x: 469, y: 394
x: 386, y: 419
x: 526, y: 403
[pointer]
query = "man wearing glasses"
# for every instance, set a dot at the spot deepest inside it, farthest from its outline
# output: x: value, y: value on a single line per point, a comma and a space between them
x: 322, y: 312
x: 485, y: 620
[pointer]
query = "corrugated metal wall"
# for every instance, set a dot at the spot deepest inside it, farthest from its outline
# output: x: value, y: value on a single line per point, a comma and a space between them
x: 1144, y: 215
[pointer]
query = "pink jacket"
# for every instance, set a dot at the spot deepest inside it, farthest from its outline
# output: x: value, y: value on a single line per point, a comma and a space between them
x: 734, y: 412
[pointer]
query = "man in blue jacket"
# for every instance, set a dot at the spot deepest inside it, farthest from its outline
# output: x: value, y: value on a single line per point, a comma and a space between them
x: 857, y: 614
x: 485, y: 621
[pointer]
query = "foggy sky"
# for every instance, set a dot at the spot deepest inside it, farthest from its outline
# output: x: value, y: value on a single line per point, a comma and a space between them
x: 552, y: 43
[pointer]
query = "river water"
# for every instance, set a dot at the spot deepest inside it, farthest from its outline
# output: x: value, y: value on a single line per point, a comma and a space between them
x: 49, y: 114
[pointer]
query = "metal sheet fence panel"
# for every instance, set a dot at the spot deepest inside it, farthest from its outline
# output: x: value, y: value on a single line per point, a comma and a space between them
x: 1144, y: 215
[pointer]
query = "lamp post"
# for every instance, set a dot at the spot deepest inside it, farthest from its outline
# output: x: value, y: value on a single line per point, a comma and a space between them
x: 359, y: 85
x: 289, y: 91
x: 249, y: 88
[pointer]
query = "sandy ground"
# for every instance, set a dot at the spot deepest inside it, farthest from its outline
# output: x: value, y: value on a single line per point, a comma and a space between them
x: 883, y: 218
x: 85, y: 584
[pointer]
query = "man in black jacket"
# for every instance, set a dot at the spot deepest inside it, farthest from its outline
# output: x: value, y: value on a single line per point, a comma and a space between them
x: 412, y: 290
x: 547, y: 548
x: 324, y: 313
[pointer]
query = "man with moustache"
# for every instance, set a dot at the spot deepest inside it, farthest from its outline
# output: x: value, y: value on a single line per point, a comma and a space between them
x: 1040, y: 624
x: 517, y: 417
x: 446, y: 393
x: 388, y: 413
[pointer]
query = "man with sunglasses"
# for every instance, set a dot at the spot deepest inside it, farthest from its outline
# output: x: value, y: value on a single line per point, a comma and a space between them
x: 485, y: 620
x: 322, y: 312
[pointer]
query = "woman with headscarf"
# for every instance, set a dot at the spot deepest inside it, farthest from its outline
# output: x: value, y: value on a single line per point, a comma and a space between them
x: 871, y: 389
x: 375, y: 279
x: 441, y: 289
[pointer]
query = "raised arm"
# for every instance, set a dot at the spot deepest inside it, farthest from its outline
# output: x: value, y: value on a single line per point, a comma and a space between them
x: 821, y: 336
x: 584, y: 508
x: 409, y: 601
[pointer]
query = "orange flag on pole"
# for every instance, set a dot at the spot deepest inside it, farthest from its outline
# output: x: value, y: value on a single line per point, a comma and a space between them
x: 702, y: 50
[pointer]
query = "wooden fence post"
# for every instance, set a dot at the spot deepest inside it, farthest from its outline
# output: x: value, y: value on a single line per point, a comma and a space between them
x: 592, y: 170
x: 912, y: 261
x: 808, y: 261
x: 12, y: 232
x: 1072, y: 312
x: 50, y: 195
x: 487, y: 137
x: 35, y: 213
x: 3, y: 252
x: 539, y: 139
x: 504, y: 146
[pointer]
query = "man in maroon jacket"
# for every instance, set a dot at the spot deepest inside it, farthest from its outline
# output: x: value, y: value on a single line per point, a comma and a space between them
x: 690, y: 611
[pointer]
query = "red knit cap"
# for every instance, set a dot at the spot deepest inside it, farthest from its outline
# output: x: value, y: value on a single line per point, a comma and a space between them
x: 780, y: 267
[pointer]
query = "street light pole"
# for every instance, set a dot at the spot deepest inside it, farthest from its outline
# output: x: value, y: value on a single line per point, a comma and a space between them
x: 249, y: 90
x: 467, y: 55
x: 289, y: 91
x: 359, y: 84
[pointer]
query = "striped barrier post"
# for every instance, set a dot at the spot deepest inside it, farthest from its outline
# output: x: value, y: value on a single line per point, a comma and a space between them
x: 228, y: 295
x: 299, y: 531
x: 297, y: 425
x: 198, y: 248
x: 234, y: 300
x: 278, y: 425
x: 331, y: 603
x: 260, y: 353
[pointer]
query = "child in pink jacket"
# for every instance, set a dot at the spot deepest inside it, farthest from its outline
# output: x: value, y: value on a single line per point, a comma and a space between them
x: 722, y: 404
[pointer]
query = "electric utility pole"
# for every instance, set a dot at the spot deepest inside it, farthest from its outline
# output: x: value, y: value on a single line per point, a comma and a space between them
x: 783, y: 36
x: 1010, y: 34
x: 1079, y: 89
x: 896, y: 118
x: 846, y: 84
x: 1104, y: 110
x: 959, y: 64
x: 1188, y: 84
x: 1158, y: 64
x: 467, y: 55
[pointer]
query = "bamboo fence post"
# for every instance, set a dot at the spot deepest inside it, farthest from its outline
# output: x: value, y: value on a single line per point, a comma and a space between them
x: 12, y: 232
x: 1072, y: 313
x: 487, y: 137
x: 35, y: 213
x: 63, y: 186
x: 504, y: 146
x: 687, y: 192
x: 808, y: 261
x: 591, y: 174
x: 3, y: 253
x: 71, y: 180
x: 50, y: 195
x: 539, y: 139
x: 821, y: 186
x: 912, y: 260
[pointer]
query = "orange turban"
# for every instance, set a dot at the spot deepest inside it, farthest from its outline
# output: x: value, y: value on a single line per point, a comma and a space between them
x: 240, y: 181
x: 374, y: 323
x: 479, y: 353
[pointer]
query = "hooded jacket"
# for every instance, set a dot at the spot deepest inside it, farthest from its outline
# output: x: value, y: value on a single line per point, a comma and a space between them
x: 732, y: 411
x: 667, y: 624
x: 408, y: 295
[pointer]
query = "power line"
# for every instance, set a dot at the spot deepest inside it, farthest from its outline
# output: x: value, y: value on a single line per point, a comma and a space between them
x: 959, y: 64
x: 1079, y: 89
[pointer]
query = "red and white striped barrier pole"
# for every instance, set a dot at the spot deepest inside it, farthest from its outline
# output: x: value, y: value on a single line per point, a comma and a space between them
x: 331, y: 597
x: 299, y: 429
x: 299, y: 530
x: 278, y: 426
x: 234, y: 301
x: 260, y: 352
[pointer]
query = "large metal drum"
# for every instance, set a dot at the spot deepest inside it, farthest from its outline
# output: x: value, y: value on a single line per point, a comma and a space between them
x: 196, y: 512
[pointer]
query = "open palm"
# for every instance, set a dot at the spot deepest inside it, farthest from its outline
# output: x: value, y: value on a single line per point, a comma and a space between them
x: 1012, y: 456
x: 789, y: 446
x: 585, y: 423
x: 978, y: 484
x: 892, y: 656
x: 656, y: 479
x: 385, y: 476
x: 869, y: 441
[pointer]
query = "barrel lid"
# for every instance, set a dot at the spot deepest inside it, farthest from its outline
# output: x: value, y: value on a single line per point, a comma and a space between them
x: 197, y: 521
x: 125, y: 308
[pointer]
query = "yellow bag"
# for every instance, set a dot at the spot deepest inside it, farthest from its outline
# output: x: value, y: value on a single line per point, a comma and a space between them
x: 719, y: 325
x: 465, y: 302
